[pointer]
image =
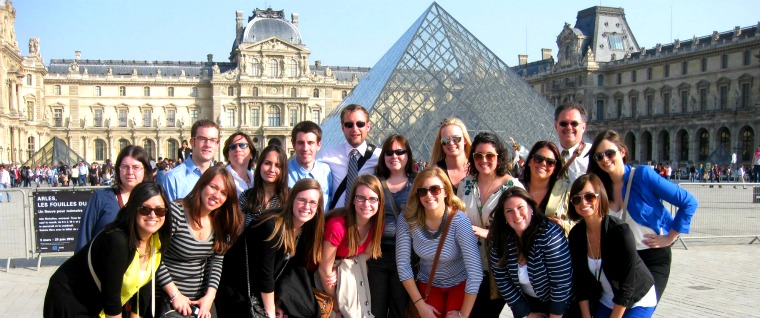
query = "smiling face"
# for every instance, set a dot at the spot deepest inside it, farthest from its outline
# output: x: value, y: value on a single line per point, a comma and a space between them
x: 365, y: 210
x: 147, y: 225
x: 430, y: 201
x: 588, y: 209
x: 396, y: 162
x: 451, y: 148
x: 306, y: 146
x: 270, y: 167
x: 214, y: 194
x: 612, y: 165
x: 518, y: 214
x: 355, y: 135
x: 485, y: 166
x: 541, y: 171
x: 239, y: 157
x: 206, y: 143
x: 570, y: 136
x: 305, y: 206
x: 131, y: 173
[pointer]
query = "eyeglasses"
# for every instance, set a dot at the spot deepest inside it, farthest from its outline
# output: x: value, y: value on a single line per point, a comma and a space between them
x: 564, y: 124
x: 359, y: 124
x: 127, y: 168
x: 609, y: 153
x: 145, y: 211
x: 445, y: 140
x: 306, y: 203
x: 362, y: 199
x: 241, y: 145
x: 588, y: 197
x: 204, y: 140
x: 488, y: 156
x: 434, y: 190
x: 538, y: 159
x: 397, y: 152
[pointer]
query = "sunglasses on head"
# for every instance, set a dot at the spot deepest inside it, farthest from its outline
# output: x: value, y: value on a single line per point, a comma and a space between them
x: 145, y: 211
x: 609, y: 153
x: 445, y: 140
x: 538, y: 159
x: 588, y: 197
x: 572, y: 123
x: 350, y: 124
x: 241, y: 145
x: 397, y: 152
x: 434, y: 190
x: 488, y: 156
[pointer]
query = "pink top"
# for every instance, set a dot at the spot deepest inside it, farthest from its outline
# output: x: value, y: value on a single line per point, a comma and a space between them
x: 335, y: 233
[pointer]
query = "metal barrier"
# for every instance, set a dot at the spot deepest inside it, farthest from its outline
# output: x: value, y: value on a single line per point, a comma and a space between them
x: 16, y: 227
x: 726, y: 210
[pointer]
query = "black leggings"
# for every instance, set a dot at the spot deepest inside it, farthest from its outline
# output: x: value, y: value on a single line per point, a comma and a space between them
x: 658, y: 262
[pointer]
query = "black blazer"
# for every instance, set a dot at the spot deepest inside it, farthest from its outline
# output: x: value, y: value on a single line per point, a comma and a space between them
x: 629, y: 277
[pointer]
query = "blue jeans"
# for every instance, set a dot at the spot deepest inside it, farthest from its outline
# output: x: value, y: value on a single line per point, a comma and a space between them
x: 635, y: 312
x: 8, y: 194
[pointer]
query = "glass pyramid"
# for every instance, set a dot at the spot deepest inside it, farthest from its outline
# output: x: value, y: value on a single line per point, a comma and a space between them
x: 438, y: 69
x: 53, y: 153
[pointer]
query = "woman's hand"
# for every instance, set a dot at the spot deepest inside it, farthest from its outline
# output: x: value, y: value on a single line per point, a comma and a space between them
x: 332, y: 278
x: 657, y: 241
x: 425, y: 310
x: 536, y: 315
x: 204, y: 305
x: 181, y: 304
x: 454, y: 314
x: 480, y: 232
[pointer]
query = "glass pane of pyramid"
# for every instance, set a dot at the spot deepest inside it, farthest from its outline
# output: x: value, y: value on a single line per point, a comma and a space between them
x: 438, y: 69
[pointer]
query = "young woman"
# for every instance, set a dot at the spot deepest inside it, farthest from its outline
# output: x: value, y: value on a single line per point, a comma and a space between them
x: 545, y: 183
x: 284, y: 237
x: 132, y: 162
x: 270, y: 184
x: 123, y: 258
x: 529, y: 256
x: 451, y: 149
x: 205, y: 224
x: 396, y: 173
x: 480, y: 193
x: 458, y: 274
x: 351, y: 232
x: 654, y: 227
x: 239, y: 153
x: 610, y: 278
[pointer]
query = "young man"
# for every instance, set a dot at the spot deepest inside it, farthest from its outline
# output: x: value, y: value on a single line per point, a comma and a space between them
x: 355, y: 125
x: 307, y: 140
x: 180, y: 180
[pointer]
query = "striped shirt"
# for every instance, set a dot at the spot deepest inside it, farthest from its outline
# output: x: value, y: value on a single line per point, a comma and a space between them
x: 459, y: 260
x: 189, y: 263
x: 549, y: 268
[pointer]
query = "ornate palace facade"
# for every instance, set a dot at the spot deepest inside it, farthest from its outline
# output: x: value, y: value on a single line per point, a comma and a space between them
x: 677, y: 102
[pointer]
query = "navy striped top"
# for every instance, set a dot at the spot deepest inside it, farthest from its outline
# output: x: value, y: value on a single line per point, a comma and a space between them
x: 459, y: 260
x: 549, y: 269
x: 191, y: 264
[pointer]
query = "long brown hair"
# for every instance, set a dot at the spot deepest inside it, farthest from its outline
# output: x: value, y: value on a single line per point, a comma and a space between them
x: 255, y: 195
x: 227, y: 220
x: 376, y: 222
x: 414, y: 214
x: 593, y: 166
x: 552, y: 178
x: 596, y: 183
x: 283, y: 222
x: 501, y: 234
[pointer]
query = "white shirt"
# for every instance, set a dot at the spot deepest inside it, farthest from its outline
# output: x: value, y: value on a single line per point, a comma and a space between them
x: 649, y: 300
x: 580, y: 164
x: 337, y: 157
x: 240, y: 184
x: 5, y: 178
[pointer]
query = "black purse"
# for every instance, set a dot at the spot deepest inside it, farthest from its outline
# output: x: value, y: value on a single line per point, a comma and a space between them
x: 256, y: 308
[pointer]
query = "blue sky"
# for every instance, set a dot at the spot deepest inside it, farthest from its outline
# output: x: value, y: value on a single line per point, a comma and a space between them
x: 341, y: 32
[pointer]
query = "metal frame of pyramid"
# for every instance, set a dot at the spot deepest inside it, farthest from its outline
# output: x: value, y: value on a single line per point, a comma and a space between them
x: 438, y: 69
x: 53, y: 152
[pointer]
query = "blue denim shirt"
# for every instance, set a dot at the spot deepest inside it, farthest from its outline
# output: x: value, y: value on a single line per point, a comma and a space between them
x: 320, y: 172
x: 180, y: 180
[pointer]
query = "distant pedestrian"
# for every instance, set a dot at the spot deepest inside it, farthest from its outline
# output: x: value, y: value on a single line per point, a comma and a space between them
x: 756, y: 168
x: 5, y: 182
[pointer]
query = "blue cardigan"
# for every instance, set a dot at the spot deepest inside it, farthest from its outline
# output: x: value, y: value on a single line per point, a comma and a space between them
x: 549, y: 268
x: 101, y: 210
x: 645, y: 206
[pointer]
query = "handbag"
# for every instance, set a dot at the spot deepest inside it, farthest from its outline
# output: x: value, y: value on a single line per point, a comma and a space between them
x: 255, y: 307
x: 325, y: 303
x: 411, y: 309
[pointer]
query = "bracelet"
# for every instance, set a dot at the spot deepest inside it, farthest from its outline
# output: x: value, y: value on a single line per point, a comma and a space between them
x: 415, y: 302
x: 171, y: 299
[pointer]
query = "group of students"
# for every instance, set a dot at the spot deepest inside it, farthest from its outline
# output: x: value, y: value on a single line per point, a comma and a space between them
x: 460, y: 238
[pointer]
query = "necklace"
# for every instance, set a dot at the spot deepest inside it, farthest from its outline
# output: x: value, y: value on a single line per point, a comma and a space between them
x: 431, y: 235
x: 596, y: 256
x: 147, y: 250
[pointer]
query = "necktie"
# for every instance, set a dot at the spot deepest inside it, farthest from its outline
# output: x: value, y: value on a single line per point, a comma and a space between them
x: 353, y: 171
x: 564, y: 154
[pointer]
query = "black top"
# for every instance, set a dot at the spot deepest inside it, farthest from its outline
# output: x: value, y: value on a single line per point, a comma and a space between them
x: 442, y: 164
x: 628, y: 275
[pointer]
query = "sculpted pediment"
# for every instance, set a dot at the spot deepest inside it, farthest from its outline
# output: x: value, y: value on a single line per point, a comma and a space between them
x: 271, y: 44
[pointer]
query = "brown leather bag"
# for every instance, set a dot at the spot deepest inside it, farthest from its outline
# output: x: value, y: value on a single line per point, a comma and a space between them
x: 325, y: 302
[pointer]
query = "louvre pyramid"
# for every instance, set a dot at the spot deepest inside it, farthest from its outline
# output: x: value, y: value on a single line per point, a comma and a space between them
x: 438, y: 69
x: 54, y: 152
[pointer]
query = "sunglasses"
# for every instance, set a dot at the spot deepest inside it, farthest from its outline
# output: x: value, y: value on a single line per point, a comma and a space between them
x: 538, y: 159
x: 434, y: 190
x: 241, y: 145
x: 145, y: 211
x: 359, y: 124
x: 609, y: 153
x: 445, y: 140
x: 588, y: 197
x: 564, y: 124
x: 397, y: 152
x: 488, y: 156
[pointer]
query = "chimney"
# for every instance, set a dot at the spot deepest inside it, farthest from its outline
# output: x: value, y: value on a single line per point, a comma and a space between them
x: 239, y: 25
x: 317, y: 63
x: 294, y: 19
x: 77, y: 55
x: 210, y: 58
x: 546, y: 54
x: 523, y: 59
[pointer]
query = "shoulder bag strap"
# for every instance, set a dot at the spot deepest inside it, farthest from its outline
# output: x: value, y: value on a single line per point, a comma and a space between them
x: 576, y: 153
x: 360, y: 163
x: 556, y: 195
x: 388, y: 195
x: 438, y: 254
x: 627, y: 194
x: 89, y: 264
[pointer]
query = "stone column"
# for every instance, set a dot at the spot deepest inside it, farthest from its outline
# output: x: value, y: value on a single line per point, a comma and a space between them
x: 14, y: 97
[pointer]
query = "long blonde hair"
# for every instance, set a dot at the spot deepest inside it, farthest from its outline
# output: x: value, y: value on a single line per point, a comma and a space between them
x: 414, y: 213
x: 437, y: 153
x: 376, y: 222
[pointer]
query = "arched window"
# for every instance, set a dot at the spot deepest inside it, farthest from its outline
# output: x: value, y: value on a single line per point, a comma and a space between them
x: 704, y: 144
x: 274, y: 116
x: 230, y: 91
x: 146, y: 91
x: 172, y: 148
x: 98, y: 91
x: 123, y: 143
x: 255, y: 70
x: 748, y: 143
x: 29, y: 79
x: 273, y: 71
x: 100, y: 150
x: 122, y: 91
x: 255, y: 92
x: 150, y: 147
x: 343, y: 94
x: 293, y: 68
x: 170, y: 91
x: 316, y: 92
x: 293, y: 92
x: 724, y: 137
x: 30, y: 147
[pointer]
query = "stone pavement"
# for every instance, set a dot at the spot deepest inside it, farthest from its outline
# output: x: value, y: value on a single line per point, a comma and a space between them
x: 707, y: 280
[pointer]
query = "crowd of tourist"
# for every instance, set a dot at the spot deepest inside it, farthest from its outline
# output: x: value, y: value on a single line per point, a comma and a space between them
x: 550, y: 230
